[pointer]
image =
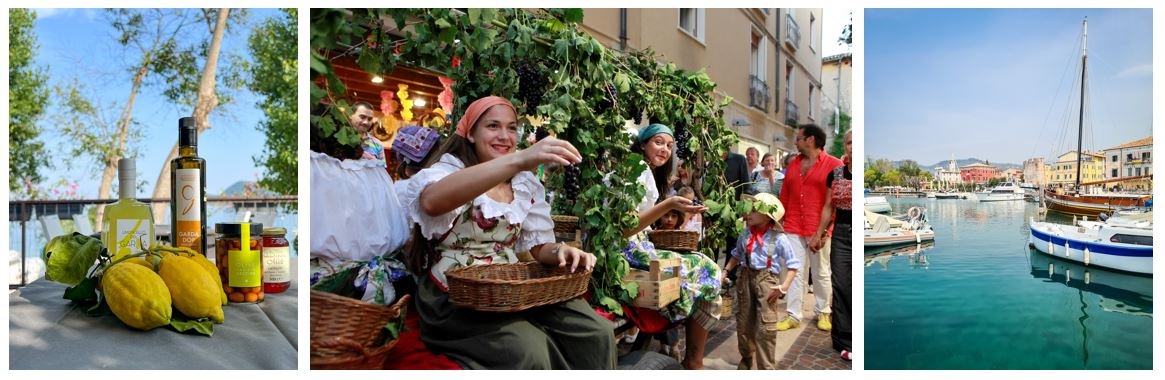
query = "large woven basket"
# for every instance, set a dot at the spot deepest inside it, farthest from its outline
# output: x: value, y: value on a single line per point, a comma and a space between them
x: 564, y: 223
x: 514, y: 287
x: 347, y: 333
x: 675, y: 240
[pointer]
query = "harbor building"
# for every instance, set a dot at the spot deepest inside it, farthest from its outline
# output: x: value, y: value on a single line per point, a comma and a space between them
x: 1131, y: 159
x: 1064, y: 170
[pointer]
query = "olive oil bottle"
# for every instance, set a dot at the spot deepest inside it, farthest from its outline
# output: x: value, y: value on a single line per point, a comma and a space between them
x: 188, y: 190
x: 128, y: 223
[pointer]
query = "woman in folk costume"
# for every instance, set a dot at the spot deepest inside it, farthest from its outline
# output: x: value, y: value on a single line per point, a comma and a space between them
x: 699, y: 303
x: 479, y: 204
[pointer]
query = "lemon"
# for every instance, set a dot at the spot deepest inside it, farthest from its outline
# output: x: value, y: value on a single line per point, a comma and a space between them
x: 137, y: 296
x: 213, y: 271
x: 193, y: 291
x: 140, y: 261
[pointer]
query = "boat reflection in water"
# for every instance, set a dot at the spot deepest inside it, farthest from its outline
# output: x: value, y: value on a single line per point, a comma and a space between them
x: 1118, y: 292
x: 915, y: 254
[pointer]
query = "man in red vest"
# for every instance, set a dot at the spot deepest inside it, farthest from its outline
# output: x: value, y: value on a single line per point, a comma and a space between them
x: 803, y: 195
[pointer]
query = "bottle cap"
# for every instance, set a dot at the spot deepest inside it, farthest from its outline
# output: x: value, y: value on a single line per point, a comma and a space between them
x: 187, y: 132
x: 126, y: 173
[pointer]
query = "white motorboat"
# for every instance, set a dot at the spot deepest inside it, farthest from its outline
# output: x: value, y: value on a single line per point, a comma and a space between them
x: 884, y: 231
x: 1123, y: 242
x: 877, y: 204
x: 1005, y: 192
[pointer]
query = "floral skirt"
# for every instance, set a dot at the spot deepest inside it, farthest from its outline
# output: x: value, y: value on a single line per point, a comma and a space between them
x: 699, y: 275
x: 369, y: 281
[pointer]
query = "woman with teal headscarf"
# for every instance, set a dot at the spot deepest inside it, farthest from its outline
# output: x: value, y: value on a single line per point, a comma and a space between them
x: 699, y: 302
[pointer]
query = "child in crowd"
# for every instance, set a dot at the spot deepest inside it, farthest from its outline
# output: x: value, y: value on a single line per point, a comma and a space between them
x: 672, y: 220
x: 696, y: 221
x: 760, y: 251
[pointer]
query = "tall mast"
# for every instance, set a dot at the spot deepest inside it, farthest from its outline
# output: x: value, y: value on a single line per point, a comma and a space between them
x: 1080, y: 130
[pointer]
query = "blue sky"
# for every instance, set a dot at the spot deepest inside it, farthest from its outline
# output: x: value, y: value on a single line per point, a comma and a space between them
x: 997, y: 84
x: 79, y: 43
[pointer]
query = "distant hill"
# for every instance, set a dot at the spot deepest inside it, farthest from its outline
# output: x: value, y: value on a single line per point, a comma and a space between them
x: 963, y: 162
x: 247, y: 189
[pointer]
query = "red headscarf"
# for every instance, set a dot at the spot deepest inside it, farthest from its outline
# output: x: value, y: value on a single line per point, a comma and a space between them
x: 476, y: 109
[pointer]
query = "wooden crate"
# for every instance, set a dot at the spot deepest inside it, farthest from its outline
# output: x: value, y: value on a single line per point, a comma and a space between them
x: 655, y: 290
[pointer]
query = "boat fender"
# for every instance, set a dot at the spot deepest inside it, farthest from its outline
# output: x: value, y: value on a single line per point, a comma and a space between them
x: 1051, y: 249
x: 1067, y: 249
x: 1087, y: 256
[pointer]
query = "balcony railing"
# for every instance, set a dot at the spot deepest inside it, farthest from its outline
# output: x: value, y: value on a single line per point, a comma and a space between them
x: 792, y: 32
x: 792, y: 117
x: 758, y: 93
x: 27, y: 227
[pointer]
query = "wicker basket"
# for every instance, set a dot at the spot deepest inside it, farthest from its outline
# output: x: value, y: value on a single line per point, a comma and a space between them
x: 347, y: 333
x: 726, y: 307
x: 514, y: 287
x: 564, y: 223
x: 675, y: 240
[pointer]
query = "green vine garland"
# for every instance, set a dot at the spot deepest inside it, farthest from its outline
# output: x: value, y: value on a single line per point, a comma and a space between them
x: 590, y: 92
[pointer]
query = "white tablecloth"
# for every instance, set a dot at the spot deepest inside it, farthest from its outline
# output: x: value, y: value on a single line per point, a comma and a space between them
x: 49, y: 332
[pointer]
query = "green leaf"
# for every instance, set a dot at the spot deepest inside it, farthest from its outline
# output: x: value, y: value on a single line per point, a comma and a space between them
x: 622, y: 82
x: 182, y: 324
x: 611, y: 305
x: 489, y: 14
x: 84, y: 292
x: 475, y: 15
x: 444, y: 23
x: 394, y: 328
x: 368, y: 61
x: 68, y: 257
x: 574, y: 15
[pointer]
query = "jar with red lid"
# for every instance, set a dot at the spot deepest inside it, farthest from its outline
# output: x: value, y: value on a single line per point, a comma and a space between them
x: 276, y: 260
x: 238, y: 255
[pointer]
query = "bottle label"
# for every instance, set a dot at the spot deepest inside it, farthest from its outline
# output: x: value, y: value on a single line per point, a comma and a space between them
x: 130, y: 235
x: 244, y: 269
x: 276, y: 265
x: 188, y: 197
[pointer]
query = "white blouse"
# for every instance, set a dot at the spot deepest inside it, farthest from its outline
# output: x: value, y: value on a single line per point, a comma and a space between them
x: 529, y: 206
x: 652, y: 194
x: 356, y: 215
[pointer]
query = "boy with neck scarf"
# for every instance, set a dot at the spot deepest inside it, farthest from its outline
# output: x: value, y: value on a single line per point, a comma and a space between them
x: 759, y: 251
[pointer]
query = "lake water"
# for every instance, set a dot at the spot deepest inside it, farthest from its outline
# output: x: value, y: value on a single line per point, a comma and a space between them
x: 979, y: 298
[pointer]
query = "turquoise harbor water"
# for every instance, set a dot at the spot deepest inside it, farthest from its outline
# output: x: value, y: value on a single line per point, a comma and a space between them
x: 979, y: 298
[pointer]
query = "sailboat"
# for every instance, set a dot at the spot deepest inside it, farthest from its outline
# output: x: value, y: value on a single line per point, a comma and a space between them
x: 1075, y: 201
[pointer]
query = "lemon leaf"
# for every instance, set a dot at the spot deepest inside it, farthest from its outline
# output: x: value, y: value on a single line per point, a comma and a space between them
x: 202, y: 326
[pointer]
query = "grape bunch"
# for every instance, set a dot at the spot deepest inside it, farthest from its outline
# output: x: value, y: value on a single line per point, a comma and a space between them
x: 635, y: 113
x: 531, y: 85
x: 682, y: 137
x: 570, y: 182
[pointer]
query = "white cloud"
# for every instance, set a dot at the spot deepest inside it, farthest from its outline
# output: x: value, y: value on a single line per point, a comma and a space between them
x: 1136, y: 71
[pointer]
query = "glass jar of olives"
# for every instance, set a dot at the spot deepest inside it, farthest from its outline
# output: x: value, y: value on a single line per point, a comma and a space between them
x: 237, y: 253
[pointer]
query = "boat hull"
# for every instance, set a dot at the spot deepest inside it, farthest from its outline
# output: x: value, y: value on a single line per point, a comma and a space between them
x: 1125, y: 257
x: 883, y: 239
x: 1089, y: 205
x: 1001, y: 197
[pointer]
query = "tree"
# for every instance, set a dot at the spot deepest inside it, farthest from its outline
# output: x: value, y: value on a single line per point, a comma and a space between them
x: 909, y: 168
x: 847, y: 32
x: 837, y: 149
x: 873, y: 178
x: 893, y: 178
x: 155, y: 37
x: 206, y: 97
x: 28, y: 94
x: 274, y: 76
